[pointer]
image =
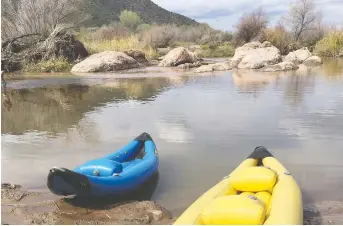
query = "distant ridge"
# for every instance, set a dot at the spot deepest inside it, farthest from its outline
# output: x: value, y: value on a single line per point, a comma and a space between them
x: 107, y: 11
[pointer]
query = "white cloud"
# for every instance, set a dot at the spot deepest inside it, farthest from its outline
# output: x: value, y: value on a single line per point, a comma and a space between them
x: 223, y: 14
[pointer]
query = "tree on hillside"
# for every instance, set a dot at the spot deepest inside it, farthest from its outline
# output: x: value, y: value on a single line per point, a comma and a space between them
x: 22, y: 17
x: 130, y: 19
x: 251, y: 25
x: 302, y: 17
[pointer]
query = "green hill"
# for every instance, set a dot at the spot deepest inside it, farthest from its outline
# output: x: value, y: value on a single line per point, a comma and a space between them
x: 107, y: 11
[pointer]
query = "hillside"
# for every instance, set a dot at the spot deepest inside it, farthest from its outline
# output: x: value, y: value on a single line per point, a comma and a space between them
x: 107, y: 11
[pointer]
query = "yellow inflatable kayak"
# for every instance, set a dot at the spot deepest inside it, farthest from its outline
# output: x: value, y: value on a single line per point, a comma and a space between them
x: 259, y: 191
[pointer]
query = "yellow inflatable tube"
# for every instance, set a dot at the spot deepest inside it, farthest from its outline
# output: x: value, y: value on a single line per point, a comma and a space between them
x: 286, y: 199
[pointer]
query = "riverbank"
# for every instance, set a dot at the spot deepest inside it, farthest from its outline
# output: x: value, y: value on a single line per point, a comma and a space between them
x: 20, y: 206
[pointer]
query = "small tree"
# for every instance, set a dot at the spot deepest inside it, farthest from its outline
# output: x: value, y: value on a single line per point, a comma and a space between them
x: 22, y: 17
x: 302, y: 17
x: 130, y: 19
x: 251, y: 25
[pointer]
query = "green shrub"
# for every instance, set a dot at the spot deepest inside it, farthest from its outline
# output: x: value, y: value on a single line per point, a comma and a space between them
x: 331, y: 44
x: 130, y: 19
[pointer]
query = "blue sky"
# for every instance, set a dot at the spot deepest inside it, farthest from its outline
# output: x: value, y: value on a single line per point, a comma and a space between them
x: 223, y: 14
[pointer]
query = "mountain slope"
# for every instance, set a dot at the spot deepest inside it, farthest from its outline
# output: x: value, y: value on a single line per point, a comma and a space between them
x: 107, y: 11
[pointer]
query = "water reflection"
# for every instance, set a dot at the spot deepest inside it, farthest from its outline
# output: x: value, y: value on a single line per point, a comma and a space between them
x: 296, y: 87
x: 252, y: 82
x: 55, y: 108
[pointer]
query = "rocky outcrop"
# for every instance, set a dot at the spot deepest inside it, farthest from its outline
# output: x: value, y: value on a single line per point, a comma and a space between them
x: 266, y: 57
x: 222, y: 66
x: 138, y: 55
x: 106, y: 61
x: 313, y: 61
x: 298, y: 56
x: 178, y: 56
x: 283, y: 66
x: 255, y: 55
x: 34, y: 48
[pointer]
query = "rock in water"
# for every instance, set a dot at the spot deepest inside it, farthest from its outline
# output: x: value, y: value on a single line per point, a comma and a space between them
x: 106, y: 61
x: 214, y: 67
x: 260, y: 57
x: 240, y: 52
x: 313, y: 61
x: 298, y: 56
x: 190, y: 65
x: 283, y: 66
x: 255, y: 55
x: 138, y: 55
x: 178, y: 56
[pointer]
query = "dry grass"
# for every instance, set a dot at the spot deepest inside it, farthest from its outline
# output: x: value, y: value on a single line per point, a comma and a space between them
x: 118, y: 44
x: 53, y: 65
x: 331, y: 44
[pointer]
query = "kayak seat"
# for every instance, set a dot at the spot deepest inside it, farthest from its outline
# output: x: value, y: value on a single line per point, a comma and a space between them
x: 127, y: 165
x: 254, y: 179
x: 234, y: 209
x: 263, y: 196
x: 102, y: 167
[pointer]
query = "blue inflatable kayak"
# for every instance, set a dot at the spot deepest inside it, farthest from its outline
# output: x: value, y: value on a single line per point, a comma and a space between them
x: 120, y: 172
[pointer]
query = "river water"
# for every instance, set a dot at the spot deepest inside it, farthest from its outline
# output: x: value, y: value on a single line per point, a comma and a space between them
x: 203, y: 125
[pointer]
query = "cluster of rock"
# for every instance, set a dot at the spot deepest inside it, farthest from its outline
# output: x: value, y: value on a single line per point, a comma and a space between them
x: 266, y: 57
x: 183, y: 58
x: 254, y: 55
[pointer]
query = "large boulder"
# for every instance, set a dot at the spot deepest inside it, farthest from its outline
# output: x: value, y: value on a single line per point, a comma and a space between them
x: 260, y: 57
x: 106, y: 61
x: 282, y: 66
x: 138, y: 55
x: 255, y: 55
x: 298, y: 56
x: 240, y: 52
x: 178, y: 56
x: 222, y: 66
x: 313, y: 61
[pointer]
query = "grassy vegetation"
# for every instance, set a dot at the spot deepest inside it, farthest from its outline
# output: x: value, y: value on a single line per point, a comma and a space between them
x: 222, y: 50
x: 118, y: 44
x: 53, y: 65
x: 331, y: 44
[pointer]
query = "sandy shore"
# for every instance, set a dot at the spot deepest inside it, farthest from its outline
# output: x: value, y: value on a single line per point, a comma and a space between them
x: 20, y: 206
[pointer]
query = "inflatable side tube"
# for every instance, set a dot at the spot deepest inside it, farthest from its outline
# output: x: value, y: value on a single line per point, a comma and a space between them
x: 128, y: 152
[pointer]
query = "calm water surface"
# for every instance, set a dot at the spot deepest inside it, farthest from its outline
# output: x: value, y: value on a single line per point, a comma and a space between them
x: 204, y: 126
